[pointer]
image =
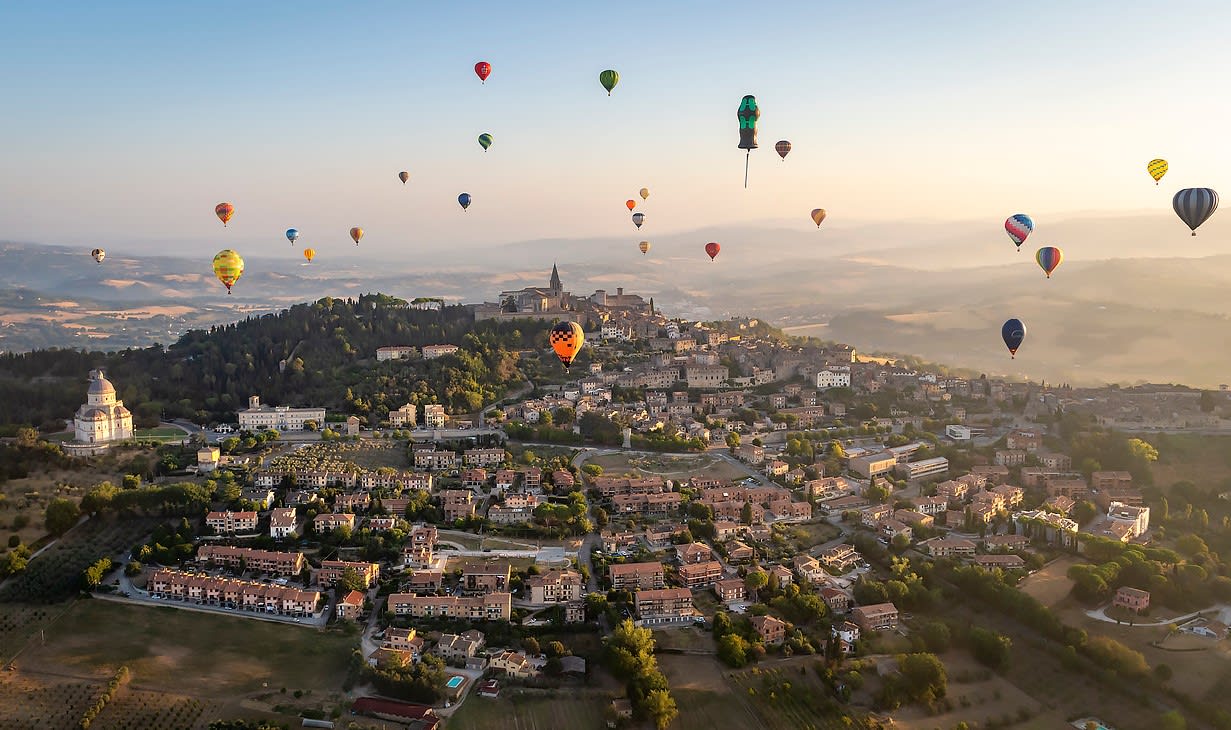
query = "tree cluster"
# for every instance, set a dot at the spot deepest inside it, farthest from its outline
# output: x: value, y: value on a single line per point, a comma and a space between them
x: 630, y: 656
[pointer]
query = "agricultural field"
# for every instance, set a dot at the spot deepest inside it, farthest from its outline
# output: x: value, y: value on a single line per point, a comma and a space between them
x: 54, y: 574
x: 789, y: 695
x: 19, y: 624
x: 369, y: 454
x: 705, y: 700
x: 46, y: 702
x: 534, y: 710
x: 670, y: 466
x: 976, y: 694
x: 1050, y: 585
x: 684, y: 639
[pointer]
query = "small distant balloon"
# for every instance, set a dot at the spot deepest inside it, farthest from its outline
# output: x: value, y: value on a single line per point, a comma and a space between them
x: 783, y: 148
x: 566, y: 339
x: 638, y: 219
x: 485, y: 141
x: 483, y: 69
x: 609, y: 79
x: 224, y: 211
x: 228, y: 267
x: 98, y: 255
x: 1049, y: 257
x: 356, y: 233
x: 712, y: 249
x: 1018, y: 226
x: 1195, y: 206
x: 1013, y: 332
x: 292, y: 235
x: 645, y: 193
x: 403, y: 176
x: 631, y: 204
x: 1157, y: 168
x: 818, y: 215
x: 644, y: 246
x: 309, y: 254
x: 464, y: 200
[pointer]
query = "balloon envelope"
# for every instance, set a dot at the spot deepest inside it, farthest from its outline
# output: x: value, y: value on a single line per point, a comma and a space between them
x: 645, y: 193
x: 309, y: 254
x: 224, y: 211
x: 228, y: 267
x: 98, y: 255
x: 609, y: 79
x: 1157, y: 168
x: 712, y: 249
x: 630, y: 203
x: 1195, y: 206
x: 566, y: 339
x: 644, y: 246
x: 818, y: 215
x: 356, y: 233
x: 1018, y: 226
x: 1049, y: 257
x: 403, y: 176
x: 748, y: 114
x: 485, y: 140
x: 783, y: 148
x: 464, y: 200
x: 1013, y: 332
x: 638, y: 219
x: 292, y: 234
x: 483, y: 69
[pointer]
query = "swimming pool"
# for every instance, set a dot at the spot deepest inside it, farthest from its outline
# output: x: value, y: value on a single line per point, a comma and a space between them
x: 455, y: 681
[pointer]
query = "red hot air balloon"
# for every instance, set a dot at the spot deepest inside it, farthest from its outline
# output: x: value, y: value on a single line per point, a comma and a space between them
x: 712, y: 249
x: 631, y: 204
x: 483, y: 69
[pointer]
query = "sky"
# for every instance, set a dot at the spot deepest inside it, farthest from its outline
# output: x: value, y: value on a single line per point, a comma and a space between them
x: 126, y: 122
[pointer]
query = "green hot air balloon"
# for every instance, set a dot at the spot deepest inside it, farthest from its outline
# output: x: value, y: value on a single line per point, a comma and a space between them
x: 485, y: 140
x: 609, y: 79
x: 748, y: 114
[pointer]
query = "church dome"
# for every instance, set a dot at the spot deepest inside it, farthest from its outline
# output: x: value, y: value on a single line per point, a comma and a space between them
x: 94, y: 414
x: 99, y: 385
x: 122, y: 411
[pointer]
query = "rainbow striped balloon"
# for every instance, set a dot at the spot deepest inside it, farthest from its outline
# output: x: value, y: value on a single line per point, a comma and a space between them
x: 1019, y: 226
x: 1049, y: 257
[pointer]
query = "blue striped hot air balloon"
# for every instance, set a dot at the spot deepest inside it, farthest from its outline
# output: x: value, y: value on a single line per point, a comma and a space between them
x: 1195, y: 206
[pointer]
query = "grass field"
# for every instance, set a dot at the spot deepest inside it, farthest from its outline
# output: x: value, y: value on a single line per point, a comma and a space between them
x: 705, y: 699
x: 1190, y: 457
x: 1050, y: 585
x: 534, y: 710
x: 670, y: 466
x: 162, y: 433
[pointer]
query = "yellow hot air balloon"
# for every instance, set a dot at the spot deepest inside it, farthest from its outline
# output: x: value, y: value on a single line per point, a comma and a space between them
x: 356, y: 233
x: 644, y: 246
x: 566, y: 339
x: 818, y: 215
x: 1156, y: 168
x: 228, y: 267
x: 645, y: 193
x: 309, y: 254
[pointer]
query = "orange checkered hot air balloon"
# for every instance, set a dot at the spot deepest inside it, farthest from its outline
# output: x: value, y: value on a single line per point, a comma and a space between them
x: 566, y: 339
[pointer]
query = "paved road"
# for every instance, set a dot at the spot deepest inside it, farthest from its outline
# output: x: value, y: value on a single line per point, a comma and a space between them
x: 1100, y: 614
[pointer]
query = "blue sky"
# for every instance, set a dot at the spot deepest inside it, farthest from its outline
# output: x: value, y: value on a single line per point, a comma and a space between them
x: 127, y: 122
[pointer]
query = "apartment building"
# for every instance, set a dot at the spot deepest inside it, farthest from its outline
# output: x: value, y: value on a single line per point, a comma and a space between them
x: 694, y: 575
x: 877, y: 617
x: 555, y: 586
x: 282, y: 522
x: 484, y: 457
x: 486, y: 607
x: 331, y: 572
x: 330, y: 521
x: 232, y: 593
x: 492, y: 578
x: 264, y: 561
x: 231, y: 523
x: 637, y: 576
x: 664, y: 605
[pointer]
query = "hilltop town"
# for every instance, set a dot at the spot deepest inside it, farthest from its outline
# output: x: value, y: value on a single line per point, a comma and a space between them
x: 700, y: 522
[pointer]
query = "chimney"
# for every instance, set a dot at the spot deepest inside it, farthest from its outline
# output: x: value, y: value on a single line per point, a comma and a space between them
x: 619, y: 291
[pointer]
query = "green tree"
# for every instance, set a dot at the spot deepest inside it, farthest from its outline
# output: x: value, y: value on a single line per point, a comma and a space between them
x: 755, y: 581
x: 936, y: 636
x: 1191, y: 545
x: 350, y: 580
x: 660, y: 706
x: 1142, y: 450
x: 1172, y: 720
x: 989, y: 647
x: 61, y: 515
x: 531, y: 645
x: 1084, y: 511
x: 27, y: 436
x: 733, y: 650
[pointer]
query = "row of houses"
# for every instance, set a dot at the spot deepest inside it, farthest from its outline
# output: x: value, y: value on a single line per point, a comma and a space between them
x: 233, y: 593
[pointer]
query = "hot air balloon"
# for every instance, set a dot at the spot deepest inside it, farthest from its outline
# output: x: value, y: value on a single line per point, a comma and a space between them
x: 631, y: 204
x: 292, y: 235
x: 1195, y: 206
x: 566, y: 339
x: 356, y: 233
x: 644, y: 246
x: 1018, y: 226
x: 783, y: 148
x: 1157, y: 168
x: 1049, y: 257
x: 224, y: 211
x: 309, y: 254
x: 638, y: 219
x: 483, y: 69
x: 609, y: 79
x: 1013, y: 332
x: 464, y: 200
x: 748, y: 114
x: 485, y: 141
x: 403, y: 176
x: 98, y: 255
x: 228, y: 267
x: 645, y: 193
x: 712, y: 249
x: 818, y: 215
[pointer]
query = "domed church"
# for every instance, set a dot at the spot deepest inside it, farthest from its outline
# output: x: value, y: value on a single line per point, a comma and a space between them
x: 102, y: 419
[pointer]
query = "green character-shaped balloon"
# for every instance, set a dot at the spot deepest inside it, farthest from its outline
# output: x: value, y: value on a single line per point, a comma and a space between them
x: 609, y: 79
x: 748, y: 115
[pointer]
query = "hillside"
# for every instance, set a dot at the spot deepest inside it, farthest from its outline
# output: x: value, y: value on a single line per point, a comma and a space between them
x: 320, y: 353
